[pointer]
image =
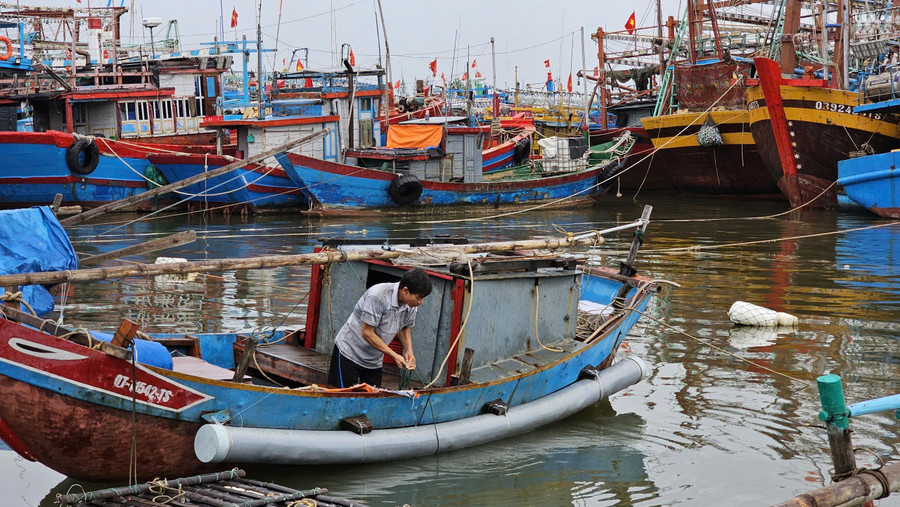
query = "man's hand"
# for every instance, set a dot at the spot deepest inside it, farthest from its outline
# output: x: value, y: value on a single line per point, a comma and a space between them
x: 400, y: 360
x: 410, y: 360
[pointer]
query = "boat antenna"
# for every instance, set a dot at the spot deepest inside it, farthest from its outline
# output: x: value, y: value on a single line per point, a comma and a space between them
x: 259, y: 72
x: 277, y: 35
x: 387, y: 70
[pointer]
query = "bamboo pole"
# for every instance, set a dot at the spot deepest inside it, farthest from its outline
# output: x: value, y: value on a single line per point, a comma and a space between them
x: 274, y: 261
x: 105, y: 494
x: 181, y: 238
x: 854, y: 490
x: 77, y: 219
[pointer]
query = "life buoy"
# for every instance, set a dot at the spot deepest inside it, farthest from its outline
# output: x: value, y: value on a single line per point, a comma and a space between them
x: 521, y: 152
x: 83, y: 156
x: 405, y: 189
x: 8, y: 54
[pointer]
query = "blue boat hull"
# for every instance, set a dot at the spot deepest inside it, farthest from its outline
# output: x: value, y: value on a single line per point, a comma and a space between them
x: 873, y: 182
x: 254, y: 186
x: 33, y: 170
x: 334, y: 187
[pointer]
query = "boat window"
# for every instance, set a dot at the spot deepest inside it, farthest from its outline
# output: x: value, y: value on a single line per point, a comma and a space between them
x: 167, y: 109
x: 79, y: 114
x: 142, y: 111
x: 365, y: 104
x: 179, y: 108
x: 199, y: 110
x: 156, y: 109
x: 128, y: 110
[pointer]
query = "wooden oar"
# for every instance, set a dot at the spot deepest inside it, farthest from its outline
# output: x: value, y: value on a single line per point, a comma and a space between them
x: 273, y: 261
x: 182, y: 238
x: 77, y: 219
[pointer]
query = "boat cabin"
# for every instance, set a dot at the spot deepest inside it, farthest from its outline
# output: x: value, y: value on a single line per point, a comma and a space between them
x: 522, y: 304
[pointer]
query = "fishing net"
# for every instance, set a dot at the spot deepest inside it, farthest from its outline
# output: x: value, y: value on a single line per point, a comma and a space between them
x: 709, y: 134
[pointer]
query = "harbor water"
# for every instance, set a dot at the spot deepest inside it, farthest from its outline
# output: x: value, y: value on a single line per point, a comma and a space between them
x: 727, y: 416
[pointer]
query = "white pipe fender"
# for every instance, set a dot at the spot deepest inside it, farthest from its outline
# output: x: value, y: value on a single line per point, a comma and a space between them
x: 216, y: 443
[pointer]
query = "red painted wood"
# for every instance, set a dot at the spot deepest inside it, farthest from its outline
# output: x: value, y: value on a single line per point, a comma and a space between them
x: 458, y: 297
x: 315, y: 301
x: 770, y: 80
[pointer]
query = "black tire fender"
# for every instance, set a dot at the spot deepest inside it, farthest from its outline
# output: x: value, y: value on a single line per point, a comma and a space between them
x: 83, y: 156
x: 405, y: 189
x: 521, y: 152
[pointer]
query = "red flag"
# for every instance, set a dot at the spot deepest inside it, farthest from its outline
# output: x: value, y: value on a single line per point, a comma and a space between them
x: 299, y: 65
x: 547, y: 63
x: 233, y: 17
x: 629, y: 25
x: 284, y: 62
x: 433, y: 67
x: 569, y: 85
x: 477, y: 73
x: 397, y: 84
x: 465, y: 76
x: 596, y: 71
x: 474, y: 64
x: 352, y: 59
x: 308, y: 83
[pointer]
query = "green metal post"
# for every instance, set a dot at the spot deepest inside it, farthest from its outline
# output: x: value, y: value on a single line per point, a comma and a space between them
x: 837, y: 422
x: 831, y: 394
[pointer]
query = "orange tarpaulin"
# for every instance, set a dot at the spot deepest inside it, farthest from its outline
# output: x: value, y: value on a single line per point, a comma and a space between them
x: 414, y: 136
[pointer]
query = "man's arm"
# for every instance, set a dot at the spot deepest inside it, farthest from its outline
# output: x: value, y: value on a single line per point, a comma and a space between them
x: 405, y: 336
x: 368, y: 334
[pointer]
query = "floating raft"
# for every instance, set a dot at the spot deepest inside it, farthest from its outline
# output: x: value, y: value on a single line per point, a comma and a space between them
x: 220, y: 489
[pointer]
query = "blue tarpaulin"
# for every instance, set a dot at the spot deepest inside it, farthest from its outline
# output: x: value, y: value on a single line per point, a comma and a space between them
x: 31, y: 240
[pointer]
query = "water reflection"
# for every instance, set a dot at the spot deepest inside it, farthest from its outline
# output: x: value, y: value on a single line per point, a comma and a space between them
x: 704, y: 427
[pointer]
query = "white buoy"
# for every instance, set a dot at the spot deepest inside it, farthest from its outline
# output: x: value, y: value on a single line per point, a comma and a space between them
x: 748, y: 314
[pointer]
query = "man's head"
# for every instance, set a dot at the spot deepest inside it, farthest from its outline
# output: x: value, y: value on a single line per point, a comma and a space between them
x: 414, y: 287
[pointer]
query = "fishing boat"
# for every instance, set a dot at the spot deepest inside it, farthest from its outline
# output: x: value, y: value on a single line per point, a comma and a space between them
x: 802, y: 113
x: 96, y: 116
x: 700, y: 127
x: 515, y: 335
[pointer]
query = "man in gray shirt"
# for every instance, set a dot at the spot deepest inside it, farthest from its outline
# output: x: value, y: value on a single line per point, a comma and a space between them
x: 384, y: 311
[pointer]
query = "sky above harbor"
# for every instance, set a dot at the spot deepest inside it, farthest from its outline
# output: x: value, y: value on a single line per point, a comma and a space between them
x: 527, y: 33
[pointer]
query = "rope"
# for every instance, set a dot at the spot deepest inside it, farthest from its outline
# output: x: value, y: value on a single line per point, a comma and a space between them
x: 763, y: 241
x: 462, y: 328
x: 159, y: 487
x: 16, y: 297
x: 537, y: 298
x: 720, y: 349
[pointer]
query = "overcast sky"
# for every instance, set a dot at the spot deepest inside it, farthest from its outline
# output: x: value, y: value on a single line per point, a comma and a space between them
x: 526, y: 32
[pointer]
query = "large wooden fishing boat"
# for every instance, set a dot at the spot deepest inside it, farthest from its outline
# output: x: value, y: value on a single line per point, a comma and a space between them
x: 803, y: 127
x: 506, y: 343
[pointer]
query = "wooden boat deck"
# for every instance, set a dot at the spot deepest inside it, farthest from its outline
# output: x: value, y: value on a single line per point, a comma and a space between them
x: 305, y: 366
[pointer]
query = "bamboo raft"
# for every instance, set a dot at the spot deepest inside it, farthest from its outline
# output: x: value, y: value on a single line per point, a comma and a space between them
x: 220, y: 489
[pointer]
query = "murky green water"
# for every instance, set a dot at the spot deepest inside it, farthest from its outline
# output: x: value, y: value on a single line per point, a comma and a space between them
x: 705, y: 428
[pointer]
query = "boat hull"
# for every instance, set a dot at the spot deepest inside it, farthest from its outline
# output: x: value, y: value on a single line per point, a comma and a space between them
x: 804, y: 130
x: 254, y: 187
x: 33, y: 170
x: 735, y: 168
x: 873, y: 182
x: 644, y: 171
x: 336, y: 187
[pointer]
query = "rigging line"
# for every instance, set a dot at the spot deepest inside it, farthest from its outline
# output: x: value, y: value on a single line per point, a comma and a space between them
x: 720, y: 349
x: 763, y: 241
